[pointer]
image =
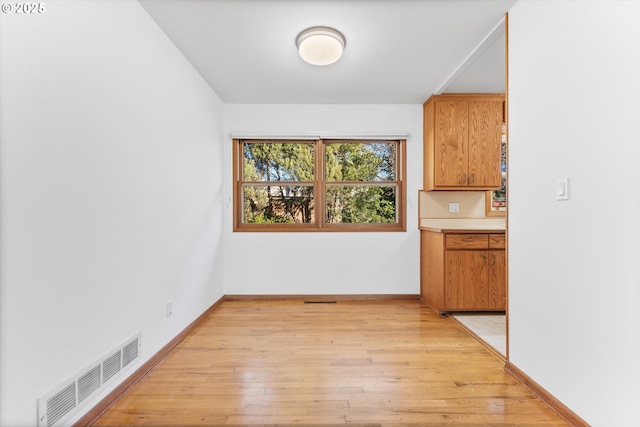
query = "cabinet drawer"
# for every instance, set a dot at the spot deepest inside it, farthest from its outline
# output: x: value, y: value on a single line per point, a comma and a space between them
x: 496, y: 241
x: 467, y: 241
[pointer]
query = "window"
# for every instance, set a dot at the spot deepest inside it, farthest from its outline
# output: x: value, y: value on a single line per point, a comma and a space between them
x: 496, y: 200
x: 319, y: 185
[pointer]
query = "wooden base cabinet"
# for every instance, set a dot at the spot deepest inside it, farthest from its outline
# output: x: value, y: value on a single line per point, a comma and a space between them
x: 463, y: 271
x: 498, y: 279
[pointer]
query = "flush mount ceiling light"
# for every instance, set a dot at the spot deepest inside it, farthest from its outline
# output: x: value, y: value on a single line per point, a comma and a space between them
x: 320, y: 45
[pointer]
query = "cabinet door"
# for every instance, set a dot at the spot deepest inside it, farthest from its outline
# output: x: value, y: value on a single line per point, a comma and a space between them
x: 497, y: 280
x: 466, y: 286
x: 485, y: 143
x: 451, y: 143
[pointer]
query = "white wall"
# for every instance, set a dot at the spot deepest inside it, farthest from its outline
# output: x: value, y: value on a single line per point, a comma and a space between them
x: 111, y: 193
x: 349, y: 263
x: 574, y: 270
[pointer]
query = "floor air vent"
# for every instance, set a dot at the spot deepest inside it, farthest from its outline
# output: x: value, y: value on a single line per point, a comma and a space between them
x: 58, y: 405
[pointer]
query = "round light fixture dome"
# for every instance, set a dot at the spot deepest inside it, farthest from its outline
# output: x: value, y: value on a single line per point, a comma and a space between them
x: 320, y: 45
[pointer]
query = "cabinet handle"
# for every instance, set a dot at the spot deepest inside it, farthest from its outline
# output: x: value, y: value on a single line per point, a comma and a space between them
x: 472, y: 178
x: 464, y: 178
x: 468, y: 239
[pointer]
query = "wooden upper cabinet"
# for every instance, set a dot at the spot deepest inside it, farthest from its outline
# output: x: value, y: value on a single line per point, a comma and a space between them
x: 452, y: 142
x: 462, y: 142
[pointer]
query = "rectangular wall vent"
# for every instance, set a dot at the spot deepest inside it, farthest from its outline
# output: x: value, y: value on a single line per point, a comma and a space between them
x: 57, y: 406
x: 61, y: 403
x: 111, y: 366
x: 88, y: 383
x: 130, y: 352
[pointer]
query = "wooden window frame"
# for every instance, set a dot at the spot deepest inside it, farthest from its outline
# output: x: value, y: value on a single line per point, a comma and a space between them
x: 489, y: 209
x: 320, y: 190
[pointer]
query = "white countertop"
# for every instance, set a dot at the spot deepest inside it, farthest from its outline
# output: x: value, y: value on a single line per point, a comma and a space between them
x: 463, y: 224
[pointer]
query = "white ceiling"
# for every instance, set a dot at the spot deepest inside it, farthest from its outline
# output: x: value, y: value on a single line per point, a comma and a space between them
x: 398, y: 51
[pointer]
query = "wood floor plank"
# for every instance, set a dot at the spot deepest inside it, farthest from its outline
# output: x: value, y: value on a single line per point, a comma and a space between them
x: 374, y: 363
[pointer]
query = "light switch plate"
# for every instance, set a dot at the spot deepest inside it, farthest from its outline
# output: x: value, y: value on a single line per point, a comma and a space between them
x: 169, y: 308
x: 562, y: 189
x: 454, y: 207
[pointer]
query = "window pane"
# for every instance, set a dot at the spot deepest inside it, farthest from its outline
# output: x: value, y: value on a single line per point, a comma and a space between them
x: 270, y: 204
x: 268, y: 161
x: 361, y: 161
x: 361, y: 204
x: 359, y: 184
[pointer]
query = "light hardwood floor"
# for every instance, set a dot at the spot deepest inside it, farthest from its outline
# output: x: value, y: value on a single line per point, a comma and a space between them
x: 374, y: 363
